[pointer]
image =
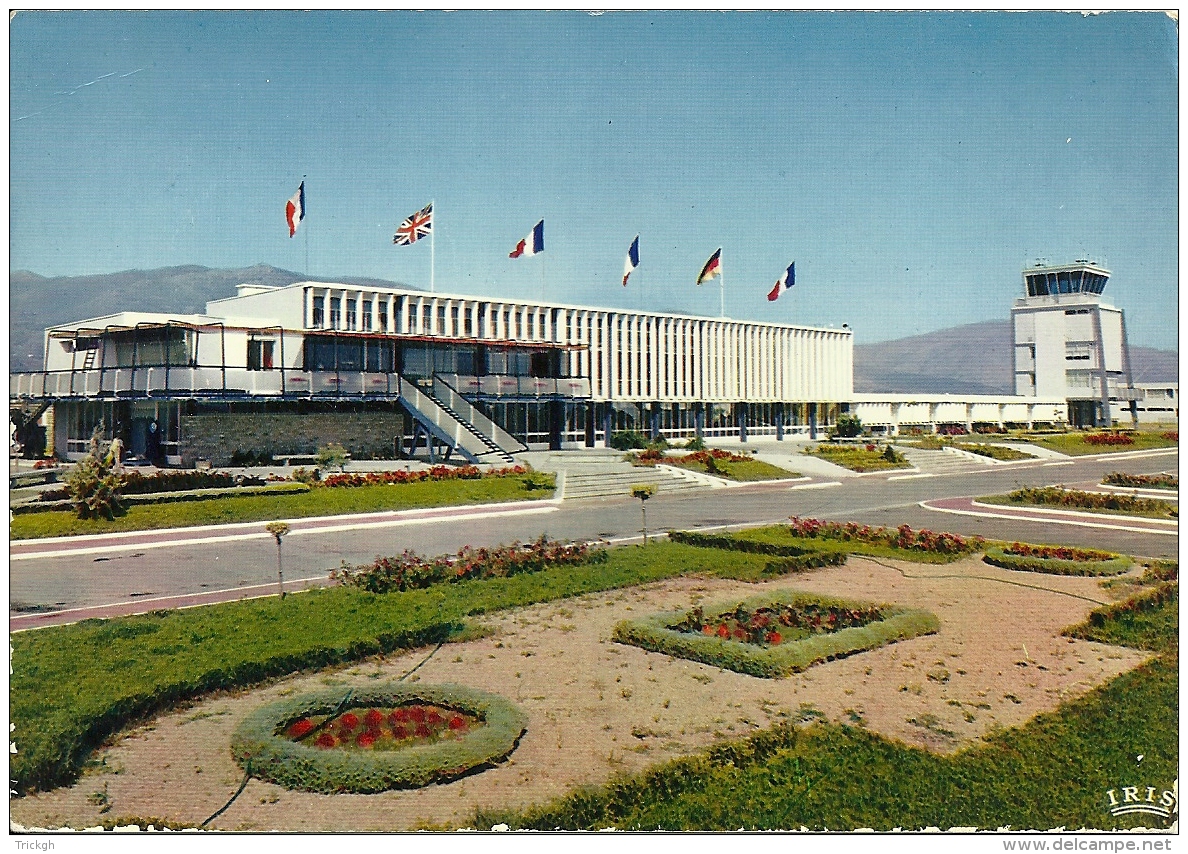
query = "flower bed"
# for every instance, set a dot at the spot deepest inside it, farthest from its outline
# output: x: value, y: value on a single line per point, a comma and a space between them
x: 1108, y: 439
x: 410, y: 571
x: 1057, y: 560
x: 858, y: 458
x: 775, y: 634
x: 1140, y: 481
x: 381, y: 478
x: 902, y: 537
x: 368, y: 741
x: 1056, y: 496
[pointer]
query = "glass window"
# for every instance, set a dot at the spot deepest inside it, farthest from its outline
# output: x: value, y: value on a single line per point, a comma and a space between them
x: 335, y: 312
x: 352, y: 314
x: 367, y: 315
x: 259, y: 355
x: 319, y: 311
x: 383, y: 318
x: 416, y: 361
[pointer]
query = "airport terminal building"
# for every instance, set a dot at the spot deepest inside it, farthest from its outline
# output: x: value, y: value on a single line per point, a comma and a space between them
x: 281, y: 370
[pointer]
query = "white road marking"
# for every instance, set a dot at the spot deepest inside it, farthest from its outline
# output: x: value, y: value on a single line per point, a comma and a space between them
x: 983, y: 515
x: 911, y: 476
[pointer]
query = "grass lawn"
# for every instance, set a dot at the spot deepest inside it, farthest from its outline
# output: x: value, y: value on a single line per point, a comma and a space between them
x: 1074, y: 444
x: 72, y: 686
x: 746, y: 470
x: 994, y: 452
x: 1053, y: 772
x: 1165, y: 511
x: 855, y: 458
x: 262, y: 508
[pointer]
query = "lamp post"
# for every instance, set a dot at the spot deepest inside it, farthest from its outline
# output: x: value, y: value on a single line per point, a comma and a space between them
x: 644, y: 491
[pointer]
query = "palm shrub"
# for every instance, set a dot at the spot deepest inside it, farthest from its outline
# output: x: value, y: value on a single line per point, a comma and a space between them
x: 94, y: 484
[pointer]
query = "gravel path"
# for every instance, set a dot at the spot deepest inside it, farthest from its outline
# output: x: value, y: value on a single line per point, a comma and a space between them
x: 598, y: 708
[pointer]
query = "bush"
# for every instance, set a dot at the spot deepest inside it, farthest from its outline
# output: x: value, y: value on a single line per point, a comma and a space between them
x: 660, y: 444
x: 1025, y: 558
x: 656, y: 633
x: 695, y: 444
x: 410, y: 571
x: 332, y: 455
x: 260, y: 748
x: 93, y: 484
x: 902, y: 537
x: 1108, y: 439
x: 628, y: 440
x: 848, y: 426
x: 242, y: 458
x: 1059, y: 497
x: 1138, y: 481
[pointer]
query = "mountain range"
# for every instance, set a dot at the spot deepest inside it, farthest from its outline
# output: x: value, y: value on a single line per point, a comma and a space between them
x: 933, y: 363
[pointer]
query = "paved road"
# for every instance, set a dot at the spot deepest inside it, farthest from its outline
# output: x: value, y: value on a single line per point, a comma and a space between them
x: 241, y: 560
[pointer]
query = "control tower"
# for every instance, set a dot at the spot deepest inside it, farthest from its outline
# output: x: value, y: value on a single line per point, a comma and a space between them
x: 1071, y: 344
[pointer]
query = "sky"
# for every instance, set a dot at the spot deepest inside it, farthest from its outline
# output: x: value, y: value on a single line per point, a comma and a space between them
x: 910, y: 164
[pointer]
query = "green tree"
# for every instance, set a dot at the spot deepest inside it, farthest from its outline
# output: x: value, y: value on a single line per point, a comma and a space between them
x: 848, y: 426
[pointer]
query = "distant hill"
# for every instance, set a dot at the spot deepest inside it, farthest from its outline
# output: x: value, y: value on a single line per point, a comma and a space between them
x: 970, y: 359
x: 37, y: 302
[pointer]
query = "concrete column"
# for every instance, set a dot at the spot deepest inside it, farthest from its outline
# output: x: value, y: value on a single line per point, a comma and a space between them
x: 779, y: 422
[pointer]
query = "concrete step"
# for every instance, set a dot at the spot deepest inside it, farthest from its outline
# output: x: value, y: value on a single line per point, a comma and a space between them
x: 604, y: 484
x: 942, y: 462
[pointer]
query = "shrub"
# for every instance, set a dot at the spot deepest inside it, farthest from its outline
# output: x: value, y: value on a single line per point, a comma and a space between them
x: 410, y: 571
x: 1060, y: 497
x: 1108, y: 439
x: 628, y: 440
x: 262, y: 748
x: 848, y: 426
x: 1162, y: 570
x: 250, y: 458
x: 659, y: 444
x: 1171, y: 436
x: 94, y: 484
x: 332, y: 455
x: 438, y: 472
x: 1154, y: 481
x: 1056, y: 560
x: 307, y: 476
x: 902, y: 537
x: 695, y: 444
x: 657, y: 633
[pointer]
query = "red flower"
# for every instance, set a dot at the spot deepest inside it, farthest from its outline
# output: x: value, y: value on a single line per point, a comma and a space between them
x: 707, y: 630
x: 399, y: 732
x: 373, y: 718
x: 434, y: 718
x: 416, y: 714
x: 349, y: 721
x: 422, y: 731
x: 365, y: 739
x: 723, y: 631
x: 301, y: 728
x: 774, y: 637
x: 740, y: 634
x: 457, y: 722
x: 397, y: 715
x: 326, y: 740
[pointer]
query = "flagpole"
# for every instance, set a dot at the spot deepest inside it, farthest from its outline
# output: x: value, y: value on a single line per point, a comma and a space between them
x: 306, y: 229
x: 433, y: 249
x: 721, y: 288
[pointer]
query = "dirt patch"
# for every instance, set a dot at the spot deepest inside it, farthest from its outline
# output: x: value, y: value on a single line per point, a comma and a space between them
x: 597, y: 708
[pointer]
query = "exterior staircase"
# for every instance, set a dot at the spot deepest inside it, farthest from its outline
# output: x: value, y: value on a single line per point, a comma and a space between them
x: 943, y: 462
x: 458, y: 432
x: 616, y: 482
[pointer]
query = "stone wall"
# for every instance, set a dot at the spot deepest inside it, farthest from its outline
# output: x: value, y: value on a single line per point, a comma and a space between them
x: 216, y: 436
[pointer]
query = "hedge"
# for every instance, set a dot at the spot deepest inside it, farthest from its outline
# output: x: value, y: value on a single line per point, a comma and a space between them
x: 727, y: 541
x: 169, y: 497
x: 653, y: 634
x: 263, y: 753
x: 997, y: 556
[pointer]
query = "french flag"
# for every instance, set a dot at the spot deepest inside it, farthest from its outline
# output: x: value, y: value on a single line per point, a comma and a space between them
x: 784, y: 283
x: 530, y: 245
x: 295, y: 209
x: 632, y: 259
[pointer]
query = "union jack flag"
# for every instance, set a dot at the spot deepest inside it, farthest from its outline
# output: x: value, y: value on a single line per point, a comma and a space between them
x: 415, y: 227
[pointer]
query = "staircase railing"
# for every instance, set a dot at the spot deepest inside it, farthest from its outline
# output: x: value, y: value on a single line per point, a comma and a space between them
x: 452, y: 398
x: 444, y: 426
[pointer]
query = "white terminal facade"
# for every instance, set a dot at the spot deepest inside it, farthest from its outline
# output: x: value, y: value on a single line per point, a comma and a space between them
x: 276, y: 371
x: 484, y: 377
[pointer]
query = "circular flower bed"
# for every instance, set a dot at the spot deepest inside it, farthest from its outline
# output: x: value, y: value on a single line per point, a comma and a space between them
x: 377, y: 738
x: 1057, y: 560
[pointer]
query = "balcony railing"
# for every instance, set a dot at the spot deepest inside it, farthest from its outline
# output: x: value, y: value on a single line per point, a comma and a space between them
x: 239, y: 382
